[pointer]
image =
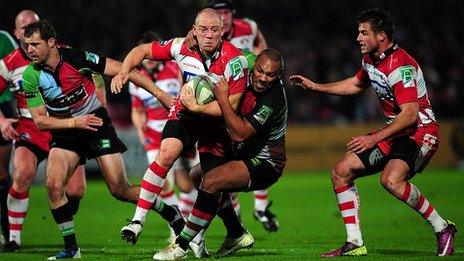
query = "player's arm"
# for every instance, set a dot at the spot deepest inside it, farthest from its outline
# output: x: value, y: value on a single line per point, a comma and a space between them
x: 347, y: 86
x: 133, y: 58
x: 99, y: 83
x: 6, y: 127
x: 260, y: 43
x: 187, y: 97
x: 113, y: 67
x: 407, y: 117
x: 239, y: 128
x: 45, y: 122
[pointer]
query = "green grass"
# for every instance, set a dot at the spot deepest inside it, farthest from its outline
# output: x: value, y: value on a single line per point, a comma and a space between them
x: 306, y: 208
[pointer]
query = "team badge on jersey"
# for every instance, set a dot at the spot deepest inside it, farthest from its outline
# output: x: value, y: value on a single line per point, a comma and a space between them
x: 263, y: 114
x: 407, y: 76
x: 91, y: 57
x: 236, y: 68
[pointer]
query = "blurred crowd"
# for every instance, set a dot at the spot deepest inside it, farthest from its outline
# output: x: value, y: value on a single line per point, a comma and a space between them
x: 317, y: 39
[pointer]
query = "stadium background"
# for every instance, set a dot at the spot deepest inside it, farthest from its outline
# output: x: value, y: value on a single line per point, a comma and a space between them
x: 317, y: 39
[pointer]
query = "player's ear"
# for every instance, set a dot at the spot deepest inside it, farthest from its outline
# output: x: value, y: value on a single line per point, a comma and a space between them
x: 51, y: 42
x: 381, y: 36
x: 194, y: 30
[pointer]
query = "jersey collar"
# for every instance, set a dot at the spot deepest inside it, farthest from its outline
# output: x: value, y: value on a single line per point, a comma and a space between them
x: 385, y: 54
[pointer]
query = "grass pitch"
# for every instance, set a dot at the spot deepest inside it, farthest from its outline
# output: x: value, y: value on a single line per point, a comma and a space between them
x: 305, y: 205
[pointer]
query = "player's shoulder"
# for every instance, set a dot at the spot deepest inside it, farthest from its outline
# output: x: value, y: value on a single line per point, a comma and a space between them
x: 170, y: 70
x: 15, y: 59
x: 31, y: 74
x: 243, y: 26
x: 229, y: 51
x: 402, y: 58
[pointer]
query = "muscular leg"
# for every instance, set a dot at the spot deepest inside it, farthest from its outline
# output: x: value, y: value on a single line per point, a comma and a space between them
x: 345, y: 172
x: 394, y: 180
x: 153, y: 179
x: 75, y: 188
x: 231, y: 176
x: 25, y: 170
x: 112, y: 167
x: 5, y: 182
x: 61, y: 164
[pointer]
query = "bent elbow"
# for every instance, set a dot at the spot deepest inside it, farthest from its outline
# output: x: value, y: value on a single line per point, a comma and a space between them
x: 237, y: 137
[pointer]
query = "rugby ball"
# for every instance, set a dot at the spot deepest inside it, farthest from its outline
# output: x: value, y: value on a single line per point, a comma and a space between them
x: 202, y: 86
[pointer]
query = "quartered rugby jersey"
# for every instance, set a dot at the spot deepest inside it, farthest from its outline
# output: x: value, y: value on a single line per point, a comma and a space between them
x: 69, y: 89
x: 267, y: 113
x: 12, y: 67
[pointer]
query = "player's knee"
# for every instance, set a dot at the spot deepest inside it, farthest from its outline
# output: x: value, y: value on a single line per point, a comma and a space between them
x: 76, y: 191
x: 54, y: 188
x: 209, y: 185
x: 166, y: 157
x: 389, y: 183
x: 120, y: 193
x: 340, y: 172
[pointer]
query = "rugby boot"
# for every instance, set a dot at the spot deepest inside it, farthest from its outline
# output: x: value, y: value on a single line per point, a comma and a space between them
x: 445, y: 240
x: 348, y: 249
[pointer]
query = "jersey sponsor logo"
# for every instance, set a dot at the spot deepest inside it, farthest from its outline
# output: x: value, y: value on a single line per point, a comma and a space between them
x: 236, y: 68
x: 407, y: 76
x: 187, y: 75
x: 70, y: 99
x: 30, y: 95
x: 91, y: 57
x: 263, y: 114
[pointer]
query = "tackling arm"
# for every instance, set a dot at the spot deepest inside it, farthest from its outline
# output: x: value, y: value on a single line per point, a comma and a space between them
x: 348, y: 86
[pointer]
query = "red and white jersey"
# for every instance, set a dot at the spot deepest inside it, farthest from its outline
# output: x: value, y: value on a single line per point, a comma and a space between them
x: 12, y: 67
x: 168, y: 80
x: 243, y: 33
x: 227, y: 62
x: 397, y: 79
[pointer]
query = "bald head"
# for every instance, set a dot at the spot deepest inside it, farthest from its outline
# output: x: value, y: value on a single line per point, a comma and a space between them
x: 273, y: 55
x: 208, y: 14
x: 23, y: 19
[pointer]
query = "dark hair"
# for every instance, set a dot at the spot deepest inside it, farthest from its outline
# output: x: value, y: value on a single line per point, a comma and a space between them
x: 274, y: 55
x: 220, y: 4
x: 379, y: 19
x: 43, y: 27
x: 148, y: 37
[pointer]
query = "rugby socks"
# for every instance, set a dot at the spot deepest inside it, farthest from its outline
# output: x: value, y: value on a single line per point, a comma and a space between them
x: 186, y: 202
x: 18, y: 204
x: 417, y: 201
x: 261, y: 201
x: 169, y: 197
x: 169, y: 213
x: 229, y: 217
x: 203, y: 212
x: 152, y: 184
x: 348, y: 203
x: 235, y: 203
x: 63, y: 217
x: 4, y: 187
x: 74, y: 204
